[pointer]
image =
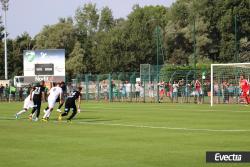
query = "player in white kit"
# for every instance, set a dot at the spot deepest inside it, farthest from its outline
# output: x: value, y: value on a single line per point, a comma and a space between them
x: 28, y: 103
x: 54, y: 93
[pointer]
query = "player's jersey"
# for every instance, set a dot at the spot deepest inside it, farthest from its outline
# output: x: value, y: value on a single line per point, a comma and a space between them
x: 75, y: 95
x: 244, y: 85
x: 161, y: 86
x: 37, y: 90
x: 64, y: 88
x: 55, y: 92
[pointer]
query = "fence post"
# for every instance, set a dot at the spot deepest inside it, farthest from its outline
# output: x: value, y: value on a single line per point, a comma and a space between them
x: 87, y: 86
x: 144, y: 91
x: 98, y: 87
x: 119, y: 87
x: 110, y: 88
x: 131, y: 88
x: 187, y: 91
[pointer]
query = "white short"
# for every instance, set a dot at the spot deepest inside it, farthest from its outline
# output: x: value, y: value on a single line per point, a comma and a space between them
x: 51, y: 102
x: 28, y: 103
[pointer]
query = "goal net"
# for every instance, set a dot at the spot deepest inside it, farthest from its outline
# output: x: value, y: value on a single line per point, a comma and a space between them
x: 225, y: 79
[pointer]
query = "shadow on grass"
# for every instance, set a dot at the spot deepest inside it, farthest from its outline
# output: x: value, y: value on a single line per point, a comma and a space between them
x: 87, y: 119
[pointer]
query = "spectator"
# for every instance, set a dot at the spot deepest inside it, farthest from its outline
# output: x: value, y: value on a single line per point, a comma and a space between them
x: 7, y: 92
x: 175, y: 92
x: 115, y: 91
x: 1, y: 91
x: 151, y: 90
x: 169, y: 90
x: 123, y: 91
x: 198, y: 91
x: 161, y: 90
x: 182, y: 89
x: 20, y: 93
x: 97, y: 91
x: 231, y: 93
x: 187, y: 91
x: 225, y: 92
x: 141, y: 91
x: 12, y: 93
x: 137, y: 91
x: 128, y: 89
x: 216, y: 92
x: 104, y: 87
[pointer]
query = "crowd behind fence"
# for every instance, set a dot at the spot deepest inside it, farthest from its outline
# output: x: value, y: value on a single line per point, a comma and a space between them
x: 172, y: 87
x: 11, y: 93
x: 183, y: 86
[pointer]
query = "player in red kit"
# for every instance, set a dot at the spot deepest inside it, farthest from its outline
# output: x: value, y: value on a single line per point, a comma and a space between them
x: 244, y: 85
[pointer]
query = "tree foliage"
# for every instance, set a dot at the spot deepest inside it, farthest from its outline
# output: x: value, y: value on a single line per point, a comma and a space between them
x: 96, y: 42
x: 75, y: 63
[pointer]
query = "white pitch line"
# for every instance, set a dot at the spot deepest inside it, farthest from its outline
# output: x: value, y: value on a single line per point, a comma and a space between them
x: 174, y: 109
x: 149, y: 127
x: 163, y: 127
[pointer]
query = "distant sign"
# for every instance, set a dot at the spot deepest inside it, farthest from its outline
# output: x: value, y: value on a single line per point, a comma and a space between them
x: 44, y: 62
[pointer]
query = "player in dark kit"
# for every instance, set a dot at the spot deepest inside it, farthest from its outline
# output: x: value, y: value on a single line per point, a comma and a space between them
x: 64, y: 89
x: 38, y: 96
x: 70, y: 103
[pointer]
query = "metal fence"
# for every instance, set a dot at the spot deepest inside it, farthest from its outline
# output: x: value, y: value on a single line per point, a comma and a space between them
x: 135, y: 87
x: 148, y: 87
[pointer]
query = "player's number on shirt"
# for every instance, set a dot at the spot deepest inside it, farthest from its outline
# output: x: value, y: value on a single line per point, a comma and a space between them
x: 37, y: 90
x: 73, y: 94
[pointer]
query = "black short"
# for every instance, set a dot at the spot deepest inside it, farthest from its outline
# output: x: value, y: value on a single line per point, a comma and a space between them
x: 58, y: 99
x: 37, y: 102
x: 70, y: 103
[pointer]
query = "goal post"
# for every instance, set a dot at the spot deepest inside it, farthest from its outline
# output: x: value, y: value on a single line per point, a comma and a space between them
x: 225, y: 82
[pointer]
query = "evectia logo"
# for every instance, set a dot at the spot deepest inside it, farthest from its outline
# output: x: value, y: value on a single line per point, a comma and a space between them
x: 227, y: 158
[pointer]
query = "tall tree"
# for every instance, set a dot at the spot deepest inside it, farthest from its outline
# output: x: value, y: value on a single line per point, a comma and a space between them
x: 76, y: 63
x: 1, y: 49
x: 106, y: 20
x: 86, y: 26
x: 140, y: 34
x: 16, y: 48
x: 57, y: 36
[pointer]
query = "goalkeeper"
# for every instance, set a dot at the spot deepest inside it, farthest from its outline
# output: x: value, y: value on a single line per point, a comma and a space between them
x: 244, y: 85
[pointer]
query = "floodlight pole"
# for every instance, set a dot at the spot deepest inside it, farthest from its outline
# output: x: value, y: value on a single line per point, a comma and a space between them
x: 236, y: 56
x: 5, y: 8
x: 194, y: 43
x: 157, y: 30
x: 212, y: 86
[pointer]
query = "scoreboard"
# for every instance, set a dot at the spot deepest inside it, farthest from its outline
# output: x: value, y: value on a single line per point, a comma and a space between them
x: 44, y: 69
x: 47, y: 63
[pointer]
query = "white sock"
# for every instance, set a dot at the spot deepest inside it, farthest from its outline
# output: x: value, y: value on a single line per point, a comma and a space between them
x: 34, y: 115
x: 48, y: 115
x: 21, y: 112
x: 45, y: 113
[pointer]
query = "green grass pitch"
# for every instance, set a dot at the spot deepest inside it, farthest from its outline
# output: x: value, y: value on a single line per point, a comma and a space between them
x: 125, y: 135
